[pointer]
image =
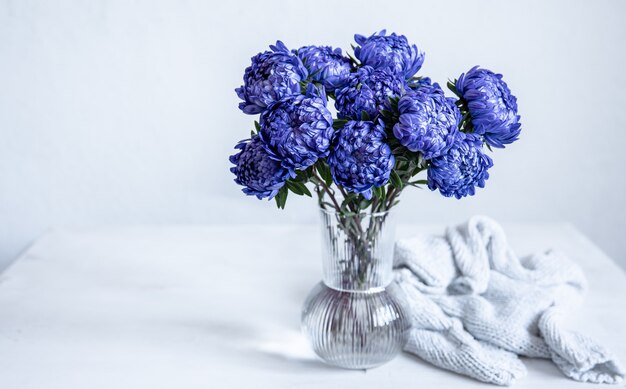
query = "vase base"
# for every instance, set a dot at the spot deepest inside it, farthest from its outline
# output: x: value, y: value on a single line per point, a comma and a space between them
x: 354, y: 330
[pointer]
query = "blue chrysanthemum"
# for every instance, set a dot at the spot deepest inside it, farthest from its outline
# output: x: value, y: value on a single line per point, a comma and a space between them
x: 368, y: 90
x: 360, y: 158
x: 298, y: 129
x: 390, y: 52
x: 492, y: 107
x: 271, y: 76
x: 257, y: 170
x: 461, y: 169
x: 326, y: 65
x: 428, y: 121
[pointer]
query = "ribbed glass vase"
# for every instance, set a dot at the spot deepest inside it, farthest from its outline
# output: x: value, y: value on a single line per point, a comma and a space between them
x: 350, y: 318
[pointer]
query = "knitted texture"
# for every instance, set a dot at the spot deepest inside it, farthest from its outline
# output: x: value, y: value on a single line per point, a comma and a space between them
x: 475, y: 306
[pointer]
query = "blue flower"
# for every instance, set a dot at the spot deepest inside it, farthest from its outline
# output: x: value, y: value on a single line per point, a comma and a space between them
x: 257, y: 170
x: 273, y: 75
x: 461, y: 169
x: 428, y: 121
x: 360, y: 158
x: 298, y: 129
x: 492, y: 107
x: 390, y: 52
x: 326, y: 65
x: 367, y: 91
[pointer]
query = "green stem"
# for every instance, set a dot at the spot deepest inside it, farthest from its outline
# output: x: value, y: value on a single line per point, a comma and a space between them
x: 327, y: 190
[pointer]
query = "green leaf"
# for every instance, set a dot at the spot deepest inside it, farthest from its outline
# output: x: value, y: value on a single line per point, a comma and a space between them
x: 298, y: 188
x: 393, y: 101
x: 395, y: 179
x: 303, y: 85
x: 311, y: 74
x: 365, y: 116
x: 417, y: 183
x: 301, y: 176
x: 379, y: 192
x: 452, y: 86
x: 386, y: 113
x: 416, y: 170
x: 294, y: 187
x: 364, y: 204
x: 257, y: 126
x: 306, y: 191
x: 348, y: 201
x: 324, y: 171
x: 281, y: 197
x: 352, y: 59
x: 304, y: 176
x: 398, y: 150
x: 339, y: 123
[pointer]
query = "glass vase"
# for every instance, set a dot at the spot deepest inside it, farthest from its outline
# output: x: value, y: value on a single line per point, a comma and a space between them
x: 350, y: 318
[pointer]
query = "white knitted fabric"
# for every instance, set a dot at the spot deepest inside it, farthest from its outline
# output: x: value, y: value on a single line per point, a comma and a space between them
x: 475, y: 306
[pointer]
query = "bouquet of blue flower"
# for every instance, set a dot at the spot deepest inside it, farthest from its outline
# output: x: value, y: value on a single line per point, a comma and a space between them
x: 390, y: 125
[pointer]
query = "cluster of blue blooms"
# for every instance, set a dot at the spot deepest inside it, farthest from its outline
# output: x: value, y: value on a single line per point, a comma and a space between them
x: 384, y: 111
x: 464, y: 167
x: 273, y: 75
x: 367, y: 91
x: 492, y: 106
x: 428, y: 120
x: 327, y: 65
x: 260, y: 172
x: 298, y: 129
x: 361, y: 159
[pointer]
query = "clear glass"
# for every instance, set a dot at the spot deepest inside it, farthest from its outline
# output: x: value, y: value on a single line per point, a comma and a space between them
x: 352, y: 318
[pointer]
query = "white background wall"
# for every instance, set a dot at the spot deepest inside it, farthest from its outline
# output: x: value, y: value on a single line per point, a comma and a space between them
x: 116, y: 112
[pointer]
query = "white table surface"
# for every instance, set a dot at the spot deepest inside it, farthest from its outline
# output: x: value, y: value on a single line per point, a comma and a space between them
x: 219, y: 307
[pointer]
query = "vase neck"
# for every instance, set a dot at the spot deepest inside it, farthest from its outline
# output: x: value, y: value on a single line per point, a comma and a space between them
x: 362, y: 276
x: 357, y: 251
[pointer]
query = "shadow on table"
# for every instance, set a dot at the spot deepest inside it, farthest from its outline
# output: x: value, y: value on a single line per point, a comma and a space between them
x: 279, y: 348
